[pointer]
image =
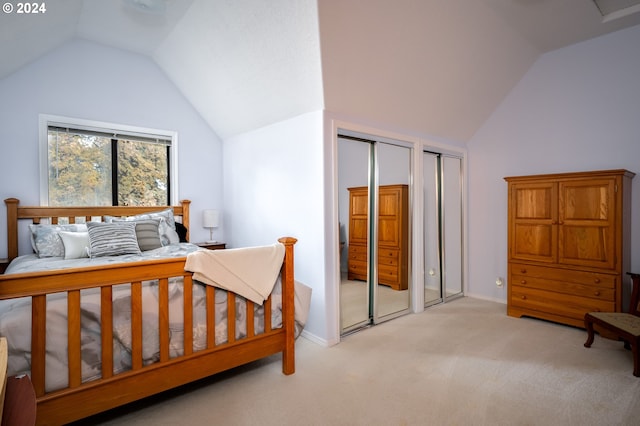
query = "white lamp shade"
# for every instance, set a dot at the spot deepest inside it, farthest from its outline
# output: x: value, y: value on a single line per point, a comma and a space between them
x: 210, y: 218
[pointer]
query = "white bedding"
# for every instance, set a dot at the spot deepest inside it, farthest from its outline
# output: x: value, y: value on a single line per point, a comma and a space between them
x: 15, y: 318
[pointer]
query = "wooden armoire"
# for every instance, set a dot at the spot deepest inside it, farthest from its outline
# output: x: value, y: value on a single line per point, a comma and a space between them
x: 393, y: 235
x: 568, y: 237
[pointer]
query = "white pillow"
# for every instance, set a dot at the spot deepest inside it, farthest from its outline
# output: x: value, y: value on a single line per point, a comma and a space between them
x: 76, y: 244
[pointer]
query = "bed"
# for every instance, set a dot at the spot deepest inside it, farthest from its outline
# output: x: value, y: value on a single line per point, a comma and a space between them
x: 121, y: 323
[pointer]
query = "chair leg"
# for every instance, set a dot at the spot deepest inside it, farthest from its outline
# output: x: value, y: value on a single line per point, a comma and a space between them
x: 636, y: 358
x: 588, y: 324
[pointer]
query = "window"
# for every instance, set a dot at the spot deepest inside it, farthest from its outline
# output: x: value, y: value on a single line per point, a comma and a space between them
x: 101, y: 164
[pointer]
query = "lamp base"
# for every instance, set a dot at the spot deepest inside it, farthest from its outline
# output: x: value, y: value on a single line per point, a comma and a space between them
x: 211, y: 242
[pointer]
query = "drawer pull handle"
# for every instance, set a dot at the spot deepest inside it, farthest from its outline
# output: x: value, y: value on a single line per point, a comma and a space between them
x: 597, y: 293
x: 597, y: 280
x: 524, y: 297
x: 523, y: 282
x: 523, y: 271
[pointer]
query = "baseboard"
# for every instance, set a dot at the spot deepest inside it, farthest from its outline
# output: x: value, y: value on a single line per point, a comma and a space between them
x: 318, y: 340
x: 489, y: 299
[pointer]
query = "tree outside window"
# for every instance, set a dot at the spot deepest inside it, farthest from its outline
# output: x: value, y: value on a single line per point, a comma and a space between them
x: 101, y: 169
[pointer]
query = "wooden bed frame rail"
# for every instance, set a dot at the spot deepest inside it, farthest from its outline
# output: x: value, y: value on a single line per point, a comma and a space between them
x: 16, y: 212
x: 80, y: 400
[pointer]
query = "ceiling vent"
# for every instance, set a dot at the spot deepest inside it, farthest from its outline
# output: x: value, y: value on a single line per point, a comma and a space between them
x: 614, y: 9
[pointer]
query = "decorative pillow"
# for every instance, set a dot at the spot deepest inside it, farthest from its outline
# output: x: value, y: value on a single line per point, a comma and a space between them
x: 147, y: 233
x: 167, y: 228
x: 46, y: 239
x: 76, y: 244
x: 112, y: 239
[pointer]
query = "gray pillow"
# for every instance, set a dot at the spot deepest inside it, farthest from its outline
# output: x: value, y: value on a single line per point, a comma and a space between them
x: 112, y: 239
x: 167, y: 228
x: 147, y: 233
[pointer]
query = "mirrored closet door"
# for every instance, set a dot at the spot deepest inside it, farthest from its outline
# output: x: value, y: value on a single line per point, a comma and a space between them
x: 443, y: 225
x: 374, y: 214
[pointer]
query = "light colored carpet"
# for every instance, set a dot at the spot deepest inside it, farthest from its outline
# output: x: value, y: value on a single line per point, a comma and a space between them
x: 354, y: 304
x: 461, y: 363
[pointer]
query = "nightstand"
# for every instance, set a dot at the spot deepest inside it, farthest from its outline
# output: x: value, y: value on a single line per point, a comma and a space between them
x: 212, y: 246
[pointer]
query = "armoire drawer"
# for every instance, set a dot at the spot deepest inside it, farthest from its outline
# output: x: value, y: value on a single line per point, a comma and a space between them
x: 557, y: 303
x: 387, y: 274
x: 567, y: 287
x: 564, y: 275
x: 357, y: 270
x: 358, y: 253
x: 388, y: 258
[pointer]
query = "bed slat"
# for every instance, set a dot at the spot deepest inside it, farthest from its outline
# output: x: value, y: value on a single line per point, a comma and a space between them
x: 163, y: 318
x: 267, y: 315
x: 74, y: 347
x: 250, y: 315
x: 136, y: 325
x: 106, y: 330
x: 187, y: 294
x: 38, y: 339
x: 211, y: 317
x: 231, y: 317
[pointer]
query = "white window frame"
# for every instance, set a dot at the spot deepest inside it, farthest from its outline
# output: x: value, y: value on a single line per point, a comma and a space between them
x: 46, y: 120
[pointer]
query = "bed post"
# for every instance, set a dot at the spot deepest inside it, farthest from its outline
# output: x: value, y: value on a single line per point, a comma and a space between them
x: 12, y: 227
x: 288, y: 300
x: 185, y: 215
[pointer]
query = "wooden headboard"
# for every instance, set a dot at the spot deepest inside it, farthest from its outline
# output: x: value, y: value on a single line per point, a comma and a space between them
x: 16, y: 212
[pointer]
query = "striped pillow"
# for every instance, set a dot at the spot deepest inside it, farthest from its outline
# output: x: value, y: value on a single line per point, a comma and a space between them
x: 112, y: 239
x: 147, y: 234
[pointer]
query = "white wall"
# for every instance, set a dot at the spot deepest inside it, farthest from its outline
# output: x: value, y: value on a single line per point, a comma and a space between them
x: 576, y: 109
x: 86, y: 80
x: 273, y: 187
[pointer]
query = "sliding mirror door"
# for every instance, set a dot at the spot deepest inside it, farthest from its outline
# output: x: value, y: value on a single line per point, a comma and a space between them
x: 452, y: 190
x: 373, y: 179
x: 354, y: 171
x: 392, y: 294
x: 443, y: 225
x: 433, y: 292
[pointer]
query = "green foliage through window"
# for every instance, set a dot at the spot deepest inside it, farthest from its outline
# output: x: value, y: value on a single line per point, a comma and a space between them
x: 88, y: 168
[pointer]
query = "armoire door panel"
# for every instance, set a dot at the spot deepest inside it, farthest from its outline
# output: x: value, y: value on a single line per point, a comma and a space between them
x: 586, y: 212
x: 359, y: 204
x: 533, y: 218
x: 388, y: 232
x: 358, y: 230
x: 584, y: 200
x: 388, y: 202
x: 580, y: 245
x: 534, y: 242
x: 534, y: 201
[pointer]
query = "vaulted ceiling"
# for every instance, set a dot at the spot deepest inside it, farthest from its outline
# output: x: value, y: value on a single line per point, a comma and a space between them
x: 437, y: 67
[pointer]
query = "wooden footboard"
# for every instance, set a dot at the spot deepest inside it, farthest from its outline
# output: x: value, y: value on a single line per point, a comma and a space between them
x: 79, y: 400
